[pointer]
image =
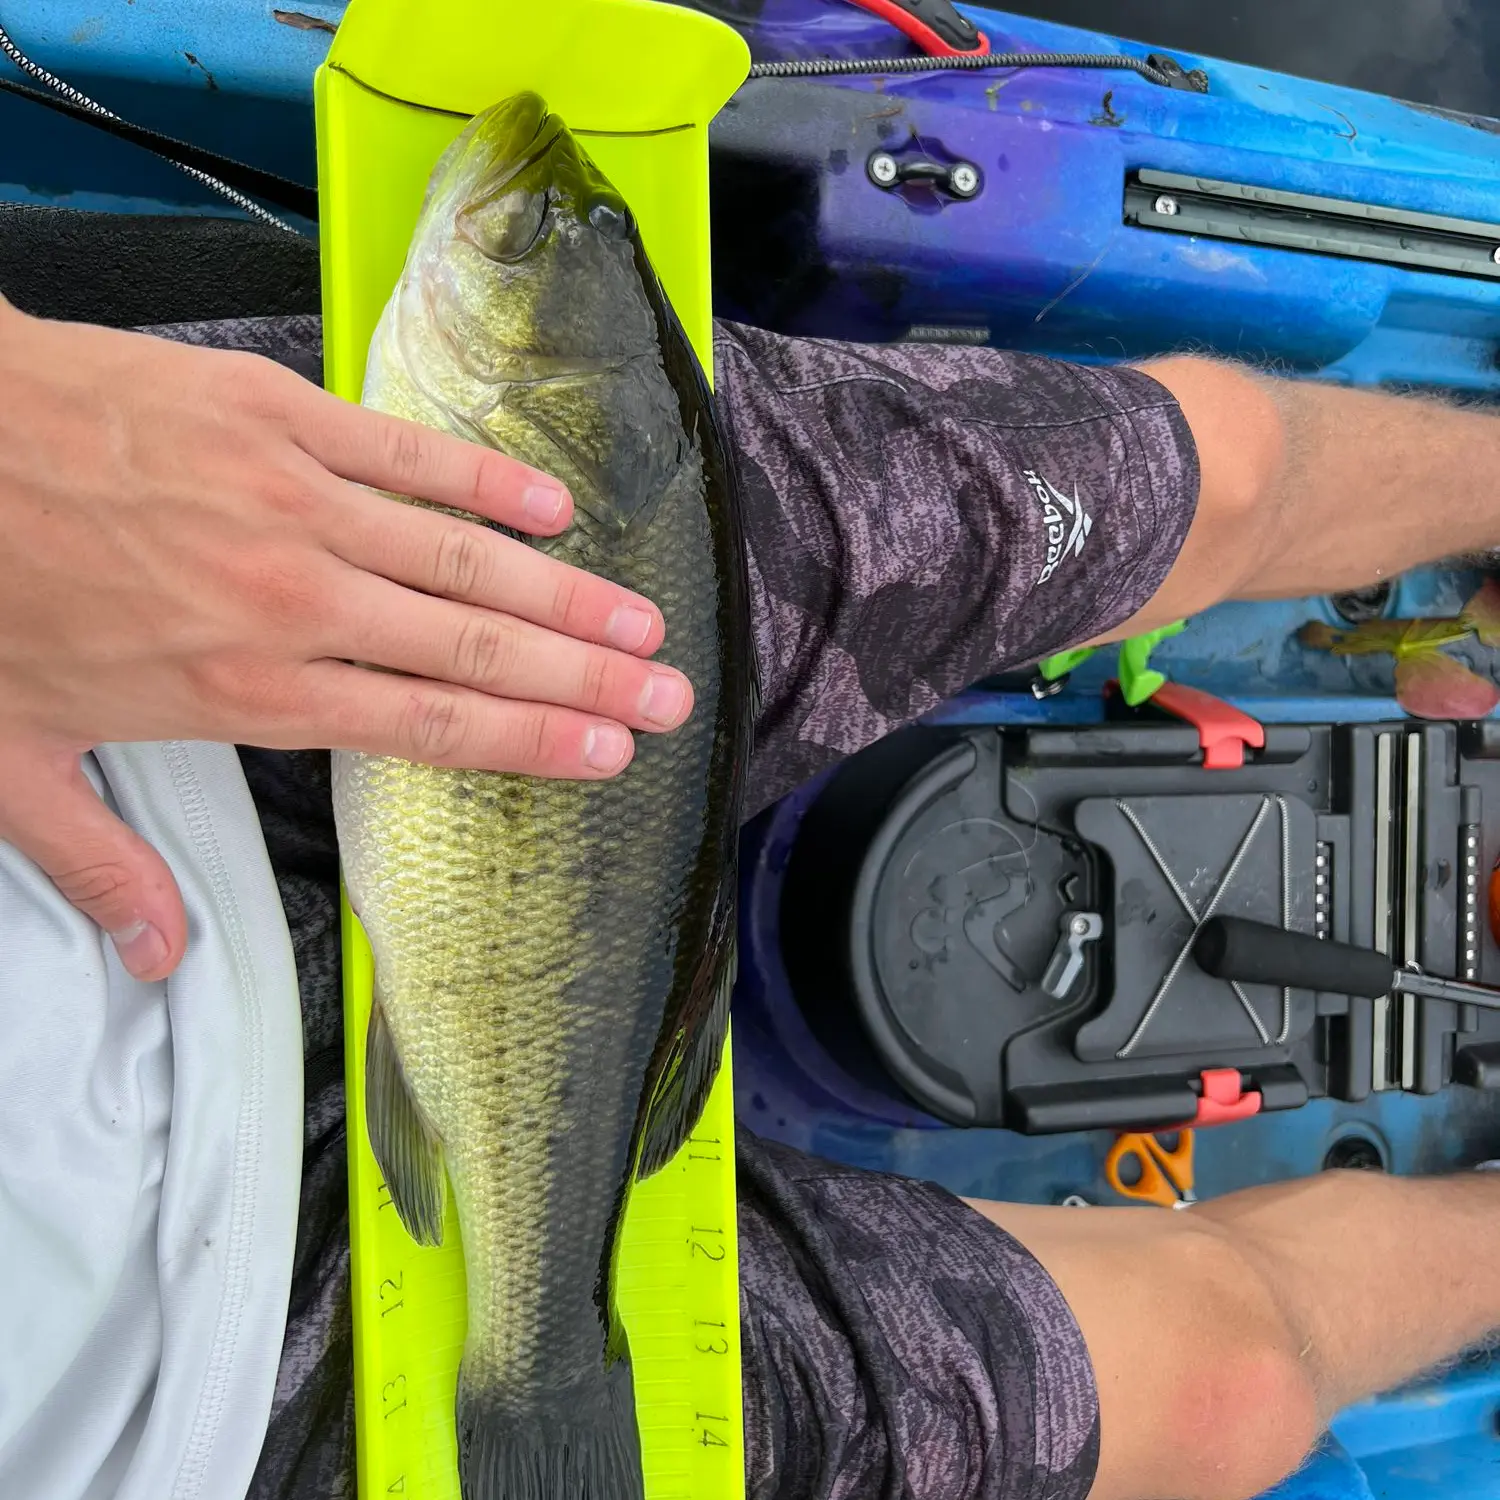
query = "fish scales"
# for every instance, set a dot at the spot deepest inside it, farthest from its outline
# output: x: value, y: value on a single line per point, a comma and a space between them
x: 552, y: 956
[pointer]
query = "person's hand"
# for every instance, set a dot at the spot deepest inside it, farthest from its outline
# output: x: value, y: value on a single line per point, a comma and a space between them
x: 188, y: 554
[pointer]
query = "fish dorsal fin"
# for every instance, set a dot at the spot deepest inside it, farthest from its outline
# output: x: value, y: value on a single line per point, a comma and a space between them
x: 693, y: 1064
x: 405, y: 1147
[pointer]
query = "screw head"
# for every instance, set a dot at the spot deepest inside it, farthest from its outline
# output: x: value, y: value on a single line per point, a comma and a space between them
x: 1495, y: 255
x: 882, y: 168
x: 1165, y: 205
x: 963, y: 180
x: 1078, y: 926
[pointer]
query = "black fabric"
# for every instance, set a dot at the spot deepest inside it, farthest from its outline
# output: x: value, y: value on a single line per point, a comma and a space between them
x: 920, y: 517
x: 125, y: 270
x: 899, y: 1345
x: 309, y: 1453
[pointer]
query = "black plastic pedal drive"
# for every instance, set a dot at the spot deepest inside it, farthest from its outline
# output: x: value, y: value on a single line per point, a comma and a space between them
x: 1055, y: 928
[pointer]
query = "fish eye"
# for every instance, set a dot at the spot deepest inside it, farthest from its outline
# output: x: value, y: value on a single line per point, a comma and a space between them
x: 612, y: 220
x: 506, y: 227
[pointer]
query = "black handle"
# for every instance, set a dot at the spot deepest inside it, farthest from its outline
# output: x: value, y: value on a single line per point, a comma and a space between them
x: 1256, y: 953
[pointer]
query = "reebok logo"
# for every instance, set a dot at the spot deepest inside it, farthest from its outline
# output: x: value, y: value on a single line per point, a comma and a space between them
x: 1068, y: 523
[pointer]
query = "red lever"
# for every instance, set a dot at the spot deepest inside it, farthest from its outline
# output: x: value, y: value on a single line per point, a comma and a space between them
x: 1223, y: 1100
x: 1223, y: 730
x: 934, y: 25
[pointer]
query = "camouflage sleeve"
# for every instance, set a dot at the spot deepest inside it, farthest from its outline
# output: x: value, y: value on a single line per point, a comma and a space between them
x: 922, y: 516
x: 898, y: 1344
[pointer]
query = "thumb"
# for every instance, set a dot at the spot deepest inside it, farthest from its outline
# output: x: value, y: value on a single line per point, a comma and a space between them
x: 51, y: 813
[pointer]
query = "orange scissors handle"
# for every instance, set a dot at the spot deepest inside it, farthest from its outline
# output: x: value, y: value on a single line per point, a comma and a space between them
x: 1155, y: 1173
x: 1177, y: 1162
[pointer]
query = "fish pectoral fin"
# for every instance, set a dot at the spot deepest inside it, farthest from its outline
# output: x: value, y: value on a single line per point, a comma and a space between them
x: 407, y: 1149
x: 693, y: 1065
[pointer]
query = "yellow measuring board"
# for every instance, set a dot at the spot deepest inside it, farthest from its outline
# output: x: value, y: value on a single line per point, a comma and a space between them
x: 638, y: 82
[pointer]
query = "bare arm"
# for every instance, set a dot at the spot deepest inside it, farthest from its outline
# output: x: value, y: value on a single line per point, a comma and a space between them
x: 1225, y: 1338
x: 1312, y: 488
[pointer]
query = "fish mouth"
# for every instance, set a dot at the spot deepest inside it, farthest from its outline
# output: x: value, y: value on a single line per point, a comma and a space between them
x: 520, y: 133
x: 522, y: 138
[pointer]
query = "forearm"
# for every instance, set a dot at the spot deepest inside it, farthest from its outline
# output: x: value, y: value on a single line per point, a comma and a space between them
x: 1309, y: 488
x: 1380, y: 1278
x: 1372, y: 484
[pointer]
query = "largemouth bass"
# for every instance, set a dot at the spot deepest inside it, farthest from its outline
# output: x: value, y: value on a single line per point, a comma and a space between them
x: 553, y: 959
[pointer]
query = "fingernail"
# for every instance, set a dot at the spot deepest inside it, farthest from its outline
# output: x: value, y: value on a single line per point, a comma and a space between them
x: 628, y: 627
x: 662, y: 701
x: 141, y: 947
x: 543, y: 503
x: 606, y: 746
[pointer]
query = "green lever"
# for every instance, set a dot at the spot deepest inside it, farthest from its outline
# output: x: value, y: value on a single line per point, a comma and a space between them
x: 1138, y: 680
x: 1064, y: 662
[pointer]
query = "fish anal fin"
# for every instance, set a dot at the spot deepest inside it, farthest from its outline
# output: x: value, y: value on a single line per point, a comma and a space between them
x: 693, y: 1064
x: 406, y: 1148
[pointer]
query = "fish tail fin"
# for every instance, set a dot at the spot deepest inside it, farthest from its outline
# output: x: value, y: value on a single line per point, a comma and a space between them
x: 583, y: 1446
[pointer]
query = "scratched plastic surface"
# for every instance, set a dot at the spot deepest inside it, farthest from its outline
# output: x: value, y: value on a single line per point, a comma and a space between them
x: 678, y: 1284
